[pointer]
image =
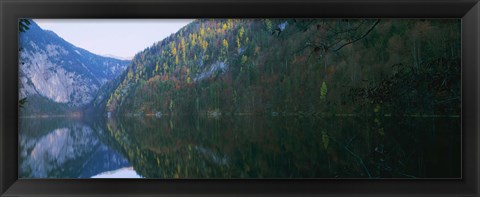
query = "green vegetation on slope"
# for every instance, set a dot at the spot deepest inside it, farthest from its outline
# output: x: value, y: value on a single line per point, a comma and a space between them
x: 290, y: 66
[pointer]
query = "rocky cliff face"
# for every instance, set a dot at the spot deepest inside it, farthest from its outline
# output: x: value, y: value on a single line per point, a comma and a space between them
x: 53, y: 69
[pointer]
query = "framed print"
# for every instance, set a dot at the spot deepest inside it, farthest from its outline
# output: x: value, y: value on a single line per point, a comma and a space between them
x: 319, y: 98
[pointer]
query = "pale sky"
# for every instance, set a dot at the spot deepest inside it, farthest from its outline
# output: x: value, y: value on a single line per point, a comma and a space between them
x: 113, y: 37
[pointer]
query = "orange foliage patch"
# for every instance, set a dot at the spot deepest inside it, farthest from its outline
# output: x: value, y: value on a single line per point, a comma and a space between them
x: 299, y: 59
x: 153, y: 80
x: 330, y: 70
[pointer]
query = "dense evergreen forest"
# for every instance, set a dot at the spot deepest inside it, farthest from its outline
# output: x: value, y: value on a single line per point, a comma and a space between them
x: 301, y: 67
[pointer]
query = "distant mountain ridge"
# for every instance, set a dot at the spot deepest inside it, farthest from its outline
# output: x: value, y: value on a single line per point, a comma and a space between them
x: 117, y: 57
x: 54, y: 71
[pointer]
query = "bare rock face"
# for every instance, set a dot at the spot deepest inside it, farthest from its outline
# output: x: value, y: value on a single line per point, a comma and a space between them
x: 53, y: 69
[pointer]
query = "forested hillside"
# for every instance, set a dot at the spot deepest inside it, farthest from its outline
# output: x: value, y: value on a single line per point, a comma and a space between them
x: 297, y: 67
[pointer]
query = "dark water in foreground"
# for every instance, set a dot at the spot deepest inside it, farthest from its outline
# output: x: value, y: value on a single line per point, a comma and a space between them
x: 240, y: 147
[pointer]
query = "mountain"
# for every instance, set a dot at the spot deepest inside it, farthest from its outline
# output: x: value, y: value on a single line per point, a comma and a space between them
x: 296, y: 67
x: 117, y: 57
x: 55, y: 75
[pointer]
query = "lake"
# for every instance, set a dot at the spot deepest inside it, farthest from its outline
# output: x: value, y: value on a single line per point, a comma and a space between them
x: 236, y: 146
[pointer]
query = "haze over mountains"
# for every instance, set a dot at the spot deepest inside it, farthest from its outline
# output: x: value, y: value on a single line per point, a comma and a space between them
x: 55, y: 75
x: 117, y: 57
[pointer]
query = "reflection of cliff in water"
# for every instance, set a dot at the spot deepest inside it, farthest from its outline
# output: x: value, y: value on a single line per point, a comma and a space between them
x: 240, y: 147
x: 64, y: 148
x: 289, y: 147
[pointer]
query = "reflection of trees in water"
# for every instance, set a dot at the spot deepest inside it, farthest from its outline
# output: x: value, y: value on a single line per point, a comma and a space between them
x: 244, y: 147
x: 289, y: 147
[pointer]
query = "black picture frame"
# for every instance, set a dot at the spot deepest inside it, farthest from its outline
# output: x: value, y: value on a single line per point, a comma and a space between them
x: 12, y: 10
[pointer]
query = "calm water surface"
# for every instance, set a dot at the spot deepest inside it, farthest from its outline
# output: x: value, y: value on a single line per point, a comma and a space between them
x: 240, y: 147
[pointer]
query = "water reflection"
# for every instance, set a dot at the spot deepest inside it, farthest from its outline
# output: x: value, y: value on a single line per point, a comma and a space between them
x: 64, y: 148
x: 128, y: 172
x: 290, y: 147
x: 240, y: 147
